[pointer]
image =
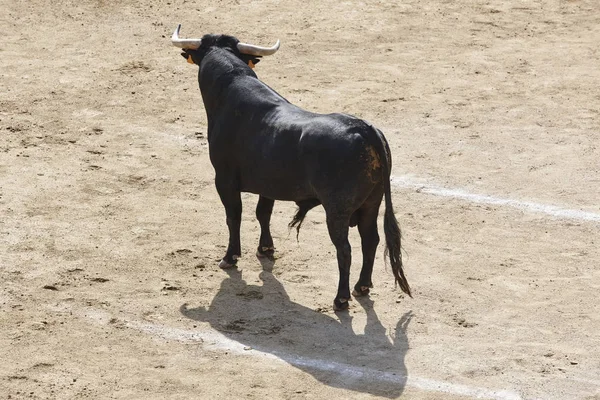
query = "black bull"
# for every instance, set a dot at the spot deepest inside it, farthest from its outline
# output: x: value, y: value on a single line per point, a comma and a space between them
x: 262, y: 144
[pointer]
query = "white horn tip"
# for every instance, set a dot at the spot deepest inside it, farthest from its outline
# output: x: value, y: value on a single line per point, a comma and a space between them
x: 176, y: 32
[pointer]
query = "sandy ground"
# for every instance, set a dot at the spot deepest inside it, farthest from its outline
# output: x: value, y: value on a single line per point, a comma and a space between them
x: 111, y: 229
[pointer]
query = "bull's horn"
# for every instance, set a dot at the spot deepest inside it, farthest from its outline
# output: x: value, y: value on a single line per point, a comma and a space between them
x: 191, y: 44
x: 253, y: 50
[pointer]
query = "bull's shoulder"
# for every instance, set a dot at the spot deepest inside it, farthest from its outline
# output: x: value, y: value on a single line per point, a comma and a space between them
x: 251, y: 90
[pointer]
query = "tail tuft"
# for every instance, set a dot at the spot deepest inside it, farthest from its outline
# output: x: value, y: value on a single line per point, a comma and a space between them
x: 393, y: 248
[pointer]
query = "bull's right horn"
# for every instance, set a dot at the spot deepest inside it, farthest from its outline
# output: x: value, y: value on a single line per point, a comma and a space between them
x: 191, y: 44
x: 253, y: 50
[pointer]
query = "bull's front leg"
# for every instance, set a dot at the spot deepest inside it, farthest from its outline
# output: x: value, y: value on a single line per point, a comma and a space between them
x: 264, y: 209
x: 232, y: 201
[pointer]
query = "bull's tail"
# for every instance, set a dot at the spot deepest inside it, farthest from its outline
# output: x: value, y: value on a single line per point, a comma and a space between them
x: 393, y: 235
x: 393, y: 238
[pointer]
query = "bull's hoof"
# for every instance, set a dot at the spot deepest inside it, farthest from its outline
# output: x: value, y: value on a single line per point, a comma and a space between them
x: 266, y: 252
x: 340, y: 304
x: 360, y: 291
x: 226, y: 265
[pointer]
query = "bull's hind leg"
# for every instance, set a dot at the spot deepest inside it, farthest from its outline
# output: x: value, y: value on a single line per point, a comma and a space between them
x: 367, y: 227
x: 264, y: 209
x: 338, y: 226
x: 232, y: 201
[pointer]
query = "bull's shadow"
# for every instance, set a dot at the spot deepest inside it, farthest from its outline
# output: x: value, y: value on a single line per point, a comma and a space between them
x: 264, y: 318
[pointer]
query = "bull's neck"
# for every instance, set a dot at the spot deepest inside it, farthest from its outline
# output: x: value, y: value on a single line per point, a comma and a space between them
x: 218, y: 70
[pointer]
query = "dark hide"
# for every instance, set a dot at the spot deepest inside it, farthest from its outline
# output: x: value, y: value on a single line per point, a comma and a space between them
x: 260, y: 143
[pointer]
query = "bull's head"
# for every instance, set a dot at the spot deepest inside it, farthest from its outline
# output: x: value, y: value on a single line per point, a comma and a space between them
x: 195, y: 49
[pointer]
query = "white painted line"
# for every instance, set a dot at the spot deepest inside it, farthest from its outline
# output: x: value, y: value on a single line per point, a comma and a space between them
x: 216, y: 340
x: 558, y: 212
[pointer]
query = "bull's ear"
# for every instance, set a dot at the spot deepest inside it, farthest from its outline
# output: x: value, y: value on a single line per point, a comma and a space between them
x: 250, y: 60
x: 188, y: 57
x: 191, y: 56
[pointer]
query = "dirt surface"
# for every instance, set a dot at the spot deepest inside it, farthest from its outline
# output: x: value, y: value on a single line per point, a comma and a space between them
x: 111, y: 228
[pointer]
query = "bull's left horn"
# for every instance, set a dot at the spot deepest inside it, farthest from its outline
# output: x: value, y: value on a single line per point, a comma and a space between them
x: 191, y: 44
x: 253, y: 50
